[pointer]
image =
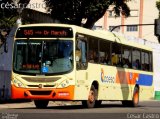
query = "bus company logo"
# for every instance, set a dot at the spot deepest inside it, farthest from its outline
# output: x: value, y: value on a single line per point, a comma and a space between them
x: 40, y: 85
x: 108, y: 79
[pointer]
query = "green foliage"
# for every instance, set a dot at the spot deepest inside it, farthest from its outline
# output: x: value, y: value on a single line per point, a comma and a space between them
x: 9, y: 13
x: 158, y: 6
x: 74, y: 11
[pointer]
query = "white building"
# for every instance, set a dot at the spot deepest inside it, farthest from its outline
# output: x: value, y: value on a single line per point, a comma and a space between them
x: 37, y: 5
x: 142, y: 12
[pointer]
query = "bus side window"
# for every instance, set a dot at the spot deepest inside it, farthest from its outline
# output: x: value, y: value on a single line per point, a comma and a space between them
x: 80, y: 54
x: 116, y: 54
x: 115, y: 59
x: 136, y: 59
x: 145, y: 60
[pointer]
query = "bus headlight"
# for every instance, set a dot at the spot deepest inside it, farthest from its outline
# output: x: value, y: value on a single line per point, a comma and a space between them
x: 64, y: 84
x: 17, y: 83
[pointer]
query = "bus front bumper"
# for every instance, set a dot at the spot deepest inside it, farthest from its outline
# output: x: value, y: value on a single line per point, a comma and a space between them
x: 43, y: 93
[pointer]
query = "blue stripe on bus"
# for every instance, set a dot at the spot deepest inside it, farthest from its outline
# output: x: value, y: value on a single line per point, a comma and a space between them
x: 145, y: 80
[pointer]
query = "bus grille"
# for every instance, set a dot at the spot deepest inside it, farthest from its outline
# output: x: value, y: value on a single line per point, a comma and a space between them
x: 37, y: 86
x: 40, y: 92
x: 41, y: 80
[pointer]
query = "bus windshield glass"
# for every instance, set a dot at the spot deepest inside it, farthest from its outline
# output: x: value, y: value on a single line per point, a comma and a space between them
x: 43, y: 57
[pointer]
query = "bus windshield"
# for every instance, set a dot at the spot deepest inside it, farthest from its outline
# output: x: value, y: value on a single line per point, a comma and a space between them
x: 43, y: 56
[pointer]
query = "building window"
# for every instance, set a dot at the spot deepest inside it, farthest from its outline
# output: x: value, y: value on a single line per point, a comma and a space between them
x: 134, y: 13
x: 132, y: 28
x: 97, y: 28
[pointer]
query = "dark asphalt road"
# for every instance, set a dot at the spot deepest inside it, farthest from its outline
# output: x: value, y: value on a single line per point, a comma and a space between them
x: 108, y: 110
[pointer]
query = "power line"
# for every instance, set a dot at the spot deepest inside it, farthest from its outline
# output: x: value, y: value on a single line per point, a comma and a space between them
x: 130, y: 25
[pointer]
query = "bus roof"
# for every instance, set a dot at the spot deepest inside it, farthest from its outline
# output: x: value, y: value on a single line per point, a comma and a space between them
x: 110, y: 36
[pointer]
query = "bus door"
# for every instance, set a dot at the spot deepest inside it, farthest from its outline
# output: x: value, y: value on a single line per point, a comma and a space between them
x: 81, y: 65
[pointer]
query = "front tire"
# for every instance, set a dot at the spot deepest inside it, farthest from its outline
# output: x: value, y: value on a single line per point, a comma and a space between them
x: 41, y: 103
x: 91, y: 102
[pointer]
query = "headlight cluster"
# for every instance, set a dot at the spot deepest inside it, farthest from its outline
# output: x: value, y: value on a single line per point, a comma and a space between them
x: 64, y: 84
x: 18, y: 83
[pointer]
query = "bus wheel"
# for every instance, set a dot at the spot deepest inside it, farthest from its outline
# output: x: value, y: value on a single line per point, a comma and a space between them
x: 135, y: 100
x: 91, y: 102
x: 41, y: 103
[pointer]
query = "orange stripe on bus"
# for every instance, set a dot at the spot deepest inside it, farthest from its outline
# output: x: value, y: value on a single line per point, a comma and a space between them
x: 56, y: 93
x: 126, y: 77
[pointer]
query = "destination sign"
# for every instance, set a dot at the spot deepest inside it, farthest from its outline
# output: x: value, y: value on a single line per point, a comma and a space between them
x: 44, y: 32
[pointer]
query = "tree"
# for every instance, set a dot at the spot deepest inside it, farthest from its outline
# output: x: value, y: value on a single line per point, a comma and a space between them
x: 10, y: 11
x: 74, y: 11
x: 157, y: 22
x: 158, y: 6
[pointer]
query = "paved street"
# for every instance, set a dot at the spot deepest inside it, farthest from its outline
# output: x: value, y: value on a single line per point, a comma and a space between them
x: 63, y: 110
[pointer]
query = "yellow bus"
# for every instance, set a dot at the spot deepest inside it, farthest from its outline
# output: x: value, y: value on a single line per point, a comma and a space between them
x: 54, y: 62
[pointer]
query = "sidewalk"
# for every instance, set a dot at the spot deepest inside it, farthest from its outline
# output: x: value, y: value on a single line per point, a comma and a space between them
x: 32, y: 105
